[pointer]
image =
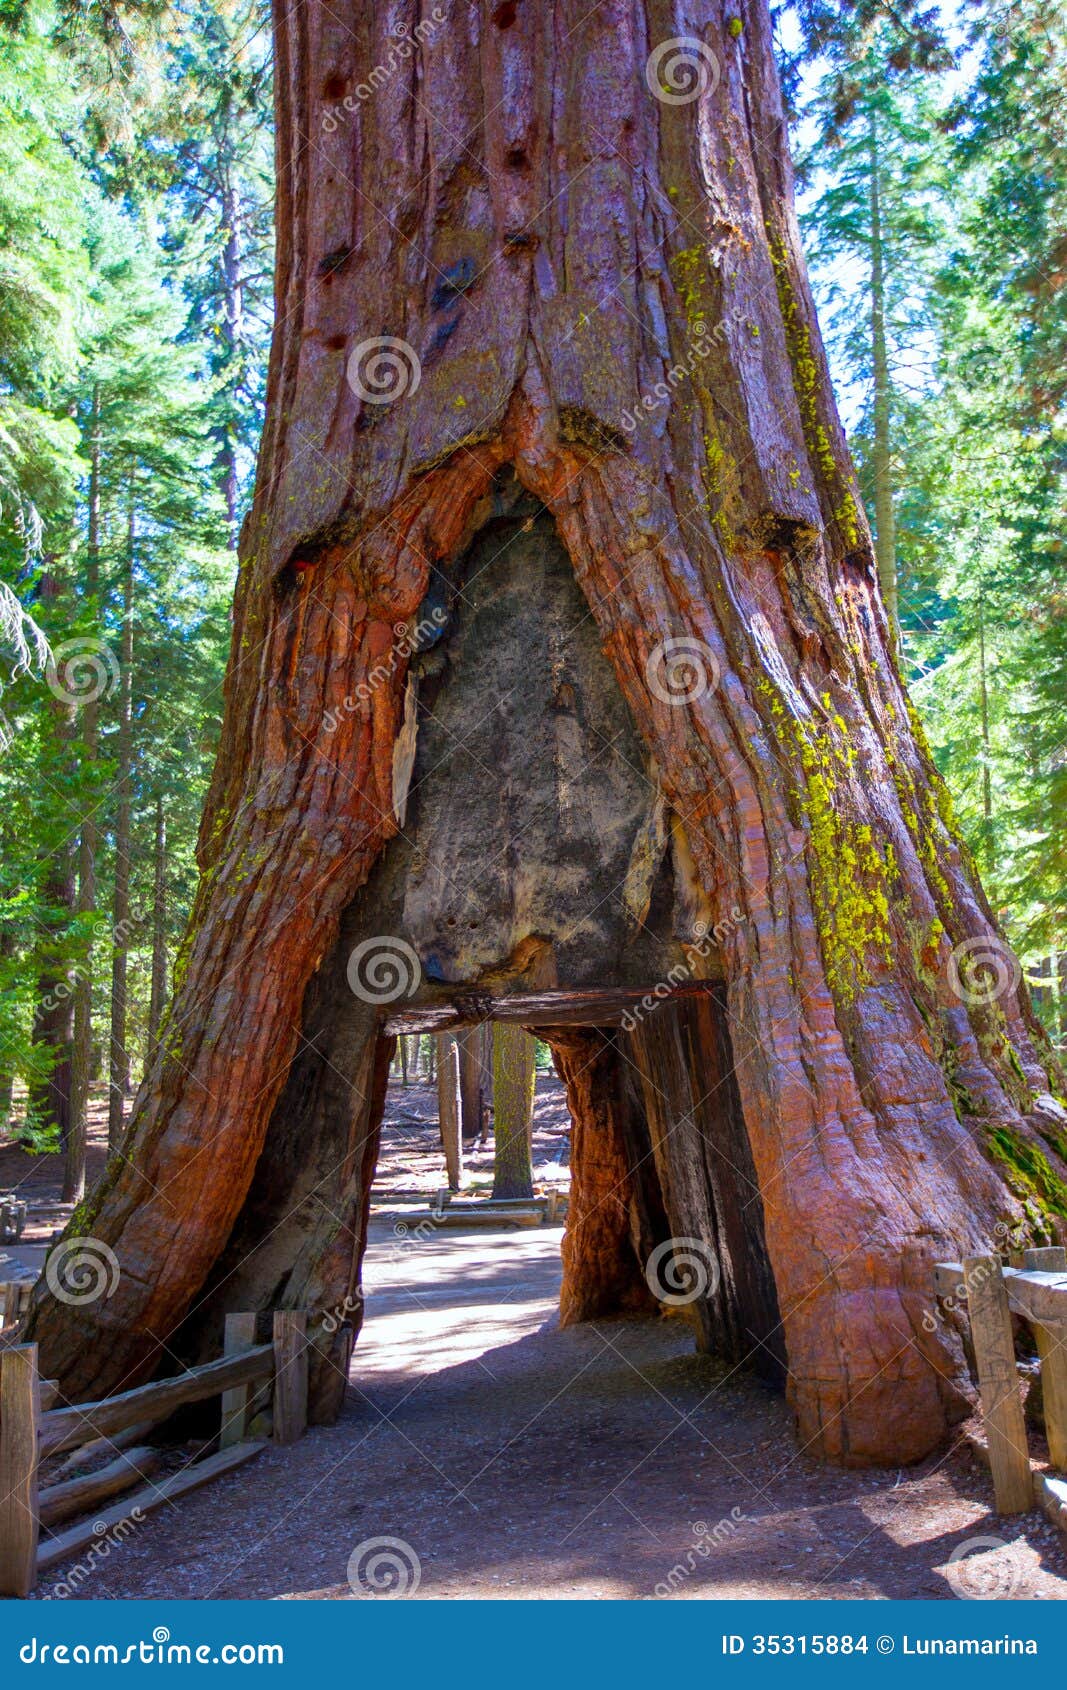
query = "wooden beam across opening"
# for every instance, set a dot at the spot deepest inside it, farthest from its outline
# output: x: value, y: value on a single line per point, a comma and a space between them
x: 599, y: 1007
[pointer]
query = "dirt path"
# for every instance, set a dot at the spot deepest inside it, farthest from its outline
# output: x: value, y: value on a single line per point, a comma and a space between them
x: 516, y: 1460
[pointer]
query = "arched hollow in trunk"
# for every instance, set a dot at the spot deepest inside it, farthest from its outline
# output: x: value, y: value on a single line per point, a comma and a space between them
x: 598, y: 291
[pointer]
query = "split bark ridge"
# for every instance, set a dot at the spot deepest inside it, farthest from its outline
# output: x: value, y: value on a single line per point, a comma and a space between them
x: 591, y: 280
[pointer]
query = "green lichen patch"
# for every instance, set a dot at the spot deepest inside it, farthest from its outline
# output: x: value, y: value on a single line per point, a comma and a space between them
x: 1027, y: 1170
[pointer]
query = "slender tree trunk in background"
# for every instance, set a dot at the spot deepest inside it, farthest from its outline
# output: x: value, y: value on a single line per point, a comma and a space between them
x: 513, y: 1095
x: 545, y: 259
x: 158, y: 998
x: 403, y: 1043
x: 885, y: 540
x: 118, y: 1056
x: 448, y: 1109
x: 233, y: 329
x: 988, y: 853
x: 431, y: 1060
x: 7, y: 951
x: 88, y: 844
x: 53, y: 1021
x: 471, y: 1081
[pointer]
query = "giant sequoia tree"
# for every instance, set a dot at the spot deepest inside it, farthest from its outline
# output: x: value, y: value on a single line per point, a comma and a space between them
x: 550, y: 445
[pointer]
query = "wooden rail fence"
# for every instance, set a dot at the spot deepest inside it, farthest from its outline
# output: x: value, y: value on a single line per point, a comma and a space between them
x: 992, y: 1293
x: 33, y: 1431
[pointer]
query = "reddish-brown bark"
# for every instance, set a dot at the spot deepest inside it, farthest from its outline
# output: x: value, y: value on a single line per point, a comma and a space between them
x: 550, y: 238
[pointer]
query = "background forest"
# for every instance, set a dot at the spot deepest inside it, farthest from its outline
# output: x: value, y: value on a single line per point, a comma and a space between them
x: 135, y: 282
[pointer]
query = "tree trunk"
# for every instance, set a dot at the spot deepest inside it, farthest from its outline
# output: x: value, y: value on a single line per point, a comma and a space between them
x: 88, y: 844
x: 448, y: 1108
x: 49, y: 1095
x: 472, y: 1083
x: 885, y: 539
x: 615, y: 1218
x: 158, y: 997
x: 988, y: 853
x: 53, y: 1021
x: 513, y: 1095
x: 118, y: 1054
x: 598, y: 289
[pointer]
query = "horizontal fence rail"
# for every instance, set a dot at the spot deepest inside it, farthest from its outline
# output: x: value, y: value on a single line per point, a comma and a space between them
x: 32, y: 1432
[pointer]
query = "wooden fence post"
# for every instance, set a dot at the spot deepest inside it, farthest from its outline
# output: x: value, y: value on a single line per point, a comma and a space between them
x: 998, y: 1383
x: 240, y: 1334
x: 20, y: 1417
x: 290, y: 1375
x: 1052, y: 1349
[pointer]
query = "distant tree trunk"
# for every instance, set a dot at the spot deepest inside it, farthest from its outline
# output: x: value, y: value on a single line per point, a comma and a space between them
x: 233, y: 329
x: 7, y: 1072
x: 885, y: 542
x: 119, y: 1057
x: 988, y: 852
x: 471, y: 1081
x: 88, y: 844
x: 448, y: 1109
x: 513, y: 1095
x: 158, y: 997
x: 50, y: 1091
x: 546, y: 259
x: 49, y: 1095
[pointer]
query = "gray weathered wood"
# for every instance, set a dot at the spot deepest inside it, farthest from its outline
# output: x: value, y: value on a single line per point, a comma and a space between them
x: 1052, y: 1349
x: 20, y: 1415
x: 1033, y: 1295
x: 65, y: 1428
x: 998, y: 1383
x: 85, y: 1454
x: 290, y: 1375
x: 75, y: 1496
x: 239, y: 1337
x: 70, y: 1543
x: 531, y: 1009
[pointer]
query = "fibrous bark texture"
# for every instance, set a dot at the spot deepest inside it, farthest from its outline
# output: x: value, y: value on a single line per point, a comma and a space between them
x: 584, y: 267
